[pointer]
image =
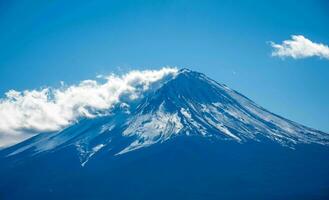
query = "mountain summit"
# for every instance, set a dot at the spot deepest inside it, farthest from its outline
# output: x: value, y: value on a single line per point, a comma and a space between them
x: 188, y: 104
x: 188, y: 118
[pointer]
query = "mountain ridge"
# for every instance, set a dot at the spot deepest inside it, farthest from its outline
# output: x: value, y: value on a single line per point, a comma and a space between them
x: 186, y: 138
x: 189, y: 103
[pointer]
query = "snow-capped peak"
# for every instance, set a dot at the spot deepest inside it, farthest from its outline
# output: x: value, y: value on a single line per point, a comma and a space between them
x: 188, y: 103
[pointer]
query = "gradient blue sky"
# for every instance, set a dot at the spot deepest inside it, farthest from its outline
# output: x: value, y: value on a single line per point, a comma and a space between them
x: 45, y: 42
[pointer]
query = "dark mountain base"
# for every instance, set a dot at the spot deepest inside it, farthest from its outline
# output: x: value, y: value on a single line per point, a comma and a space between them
x: 183, y: 168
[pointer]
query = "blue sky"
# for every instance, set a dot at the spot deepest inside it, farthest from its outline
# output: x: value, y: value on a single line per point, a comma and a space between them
x: 45, y: 42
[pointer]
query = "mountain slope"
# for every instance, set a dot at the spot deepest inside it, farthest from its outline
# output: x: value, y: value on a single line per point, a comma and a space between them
x: 195, y: 129
x: 188, y: 104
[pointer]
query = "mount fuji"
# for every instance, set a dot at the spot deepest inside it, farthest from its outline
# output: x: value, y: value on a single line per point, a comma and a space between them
x: 187, y: 137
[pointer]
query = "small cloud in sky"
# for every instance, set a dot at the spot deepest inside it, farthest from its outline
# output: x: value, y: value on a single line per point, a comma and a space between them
x: 299, y: 47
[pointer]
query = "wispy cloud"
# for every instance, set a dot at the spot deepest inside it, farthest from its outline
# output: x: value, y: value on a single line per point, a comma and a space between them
x: 299, y: 47
x: 23, y: 114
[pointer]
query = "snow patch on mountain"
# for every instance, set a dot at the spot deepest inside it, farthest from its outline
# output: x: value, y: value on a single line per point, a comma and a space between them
x: 86, y: 154
x: 151, y: 128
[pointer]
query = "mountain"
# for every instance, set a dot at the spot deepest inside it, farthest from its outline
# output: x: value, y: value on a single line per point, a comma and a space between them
x: 189, y: 137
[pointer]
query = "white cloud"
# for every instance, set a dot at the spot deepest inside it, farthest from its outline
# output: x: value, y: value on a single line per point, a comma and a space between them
x: 23, y: 114
x: 299, y: 47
